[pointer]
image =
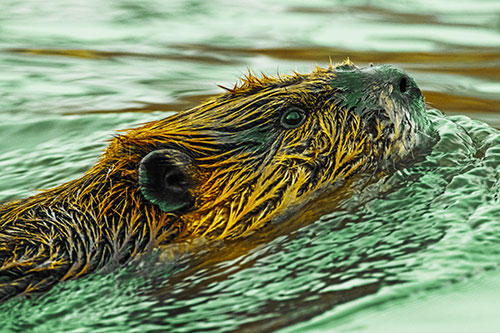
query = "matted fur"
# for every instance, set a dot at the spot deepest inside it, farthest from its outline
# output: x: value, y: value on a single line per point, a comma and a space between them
x: 247, y: 168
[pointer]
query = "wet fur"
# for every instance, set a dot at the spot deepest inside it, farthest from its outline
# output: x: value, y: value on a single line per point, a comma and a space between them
x: 247, y: 171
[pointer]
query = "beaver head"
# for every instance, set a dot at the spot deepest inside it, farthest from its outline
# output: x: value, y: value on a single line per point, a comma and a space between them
x: 238, y: 161
x: 221, y: 170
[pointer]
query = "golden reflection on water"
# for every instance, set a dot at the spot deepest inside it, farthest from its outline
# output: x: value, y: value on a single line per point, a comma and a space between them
x: 472, y: 62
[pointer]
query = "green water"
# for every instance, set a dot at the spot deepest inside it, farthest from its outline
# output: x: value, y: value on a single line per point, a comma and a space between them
x: 418, y: 251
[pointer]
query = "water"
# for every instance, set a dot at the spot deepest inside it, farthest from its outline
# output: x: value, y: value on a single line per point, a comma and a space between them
x: 420, y: 251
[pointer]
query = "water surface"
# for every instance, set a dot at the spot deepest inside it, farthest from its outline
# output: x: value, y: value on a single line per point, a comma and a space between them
x: 416, y: 251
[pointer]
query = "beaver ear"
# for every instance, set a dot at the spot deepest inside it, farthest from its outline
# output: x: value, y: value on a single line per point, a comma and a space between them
x: 164, y: 179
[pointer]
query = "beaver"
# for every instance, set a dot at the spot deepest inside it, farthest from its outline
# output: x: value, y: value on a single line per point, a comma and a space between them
x: 221, y: 170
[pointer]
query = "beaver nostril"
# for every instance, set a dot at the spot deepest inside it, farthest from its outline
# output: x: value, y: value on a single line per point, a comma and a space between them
x: 404, y: 83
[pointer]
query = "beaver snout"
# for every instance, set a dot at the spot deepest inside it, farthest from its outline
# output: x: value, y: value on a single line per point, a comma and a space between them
x: 365, y: 85
x: 398, y: 84
x: 378, y: 91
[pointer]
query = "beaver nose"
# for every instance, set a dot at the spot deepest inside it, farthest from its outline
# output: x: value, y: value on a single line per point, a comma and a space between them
x: 404, y: 85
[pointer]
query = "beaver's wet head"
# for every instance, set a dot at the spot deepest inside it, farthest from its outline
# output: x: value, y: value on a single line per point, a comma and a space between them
x: 389, y: 104
x: 221, y: 170
x: 241, y: 159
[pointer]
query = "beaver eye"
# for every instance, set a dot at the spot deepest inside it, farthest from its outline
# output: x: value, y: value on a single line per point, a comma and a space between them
x: 293, y: 118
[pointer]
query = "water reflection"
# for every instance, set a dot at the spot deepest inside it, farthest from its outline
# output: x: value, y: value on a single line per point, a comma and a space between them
x: 72, y: 74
